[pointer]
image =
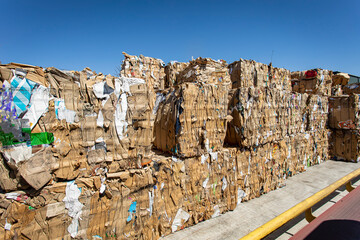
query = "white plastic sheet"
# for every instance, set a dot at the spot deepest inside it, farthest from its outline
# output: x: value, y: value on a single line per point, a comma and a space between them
x: 120, y: 116
x: 98, y: 89
x: 204, y: 158
x: 216, y: 212
x: 151, y: 201
x: 100, y: 119
x: 18, y: 153
x: 181, y: 215
x: 63, y: 113
x: 74, y: 207
x: 39, y: 104
x: 240, y: 195
x: 7, y: 225
x: 225, y: 184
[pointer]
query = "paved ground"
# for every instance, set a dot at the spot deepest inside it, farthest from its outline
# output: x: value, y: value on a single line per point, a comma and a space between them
x: 250, y: 215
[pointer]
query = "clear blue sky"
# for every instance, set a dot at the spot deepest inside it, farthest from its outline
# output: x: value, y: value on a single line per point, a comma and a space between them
x: 76, y: 34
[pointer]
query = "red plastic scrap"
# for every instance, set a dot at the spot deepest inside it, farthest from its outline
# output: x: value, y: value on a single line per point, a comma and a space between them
x: 310, y: 74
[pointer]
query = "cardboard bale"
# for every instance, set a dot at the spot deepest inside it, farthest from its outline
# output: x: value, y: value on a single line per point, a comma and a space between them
x: 279, y: 78
x: 152, y: 70
x: 344, y: 112
x: 205, y: 70
x: 248, y: 73
x: 299, y: 156
x: 344, y: 145
x: 314, y: 81
x: 320, y: 147
x: 192, y: 119
x: 172, y: 72
x: 260, y: 115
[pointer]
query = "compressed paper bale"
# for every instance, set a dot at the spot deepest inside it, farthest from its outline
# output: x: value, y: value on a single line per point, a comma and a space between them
x: 315, y: 81
x: 249, y: 73
x: 344, y: 112
x: 280, y: 78
x: 205, y: 70
x: 192, y: 120
x: 150, y: 69
x: 260, y: 115
x: 108, y: 156
x: 172, y: 73
x: 344, y: 145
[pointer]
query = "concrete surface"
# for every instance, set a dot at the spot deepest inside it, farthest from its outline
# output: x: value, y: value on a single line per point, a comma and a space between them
x: 256, y: 212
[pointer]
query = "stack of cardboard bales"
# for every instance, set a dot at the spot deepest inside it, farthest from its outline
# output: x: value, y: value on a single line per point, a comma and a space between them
x: 89, y: 156
x: 317, y: 83
x: 344, y: 120
x: 65, y: 137
x: 264, y: 110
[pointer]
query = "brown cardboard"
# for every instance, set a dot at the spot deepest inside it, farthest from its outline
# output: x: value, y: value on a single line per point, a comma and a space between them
x: 36, y: 170
x: 343, y: 112
x: 320, y: 84
x: 340, y: 79
x: 344, y: 145
x: 190, y: 120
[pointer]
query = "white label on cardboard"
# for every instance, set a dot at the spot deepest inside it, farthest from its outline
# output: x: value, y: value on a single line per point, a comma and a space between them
x: 214, y: 155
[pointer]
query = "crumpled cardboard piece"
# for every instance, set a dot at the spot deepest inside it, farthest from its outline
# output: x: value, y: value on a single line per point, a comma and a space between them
x: 37, y: 170
x: 7, y: 182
